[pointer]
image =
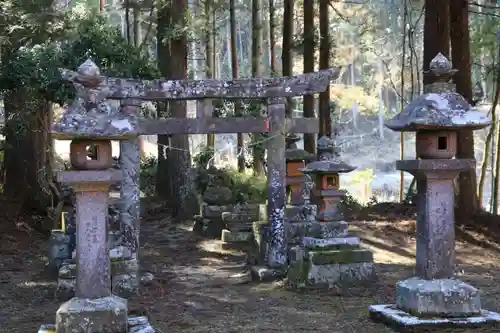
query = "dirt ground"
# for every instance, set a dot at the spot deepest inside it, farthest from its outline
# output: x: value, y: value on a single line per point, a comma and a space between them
x: 190, y: 294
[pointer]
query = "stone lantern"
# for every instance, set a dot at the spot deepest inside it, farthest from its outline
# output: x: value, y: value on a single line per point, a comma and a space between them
x: 296, y: 159
x: 92, y: 121
x: 325, y: 175
x: 434, y: 297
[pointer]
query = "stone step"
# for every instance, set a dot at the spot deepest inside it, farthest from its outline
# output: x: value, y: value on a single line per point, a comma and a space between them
x: 339, y: 243
x: 297, y: 231
x: 349, y: 256
x: 303, y: 213
x: 236, y: 236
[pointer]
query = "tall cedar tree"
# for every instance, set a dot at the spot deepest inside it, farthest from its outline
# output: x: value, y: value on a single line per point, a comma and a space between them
x: 309, y: 48
x: 325, y: 117
x: 173, y: 172
x: 468, y: 202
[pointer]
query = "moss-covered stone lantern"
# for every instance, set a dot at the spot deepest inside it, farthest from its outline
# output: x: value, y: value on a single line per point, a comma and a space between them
x: 325, y: 174
x: 434, y: 297
x: 92, y: 120
x: 296, y: 159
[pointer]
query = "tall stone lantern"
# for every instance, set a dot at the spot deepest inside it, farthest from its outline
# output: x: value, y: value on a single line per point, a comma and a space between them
x: 434, y: 297
x: 296, y: 159
x: 92, y: 121
x: 325, y: 173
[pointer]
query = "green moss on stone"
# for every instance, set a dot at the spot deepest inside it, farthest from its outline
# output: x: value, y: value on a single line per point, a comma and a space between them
x: 341, y: 257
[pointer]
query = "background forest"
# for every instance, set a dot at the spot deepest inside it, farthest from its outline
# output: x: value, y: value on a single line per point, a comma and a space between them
x: 379, y: 45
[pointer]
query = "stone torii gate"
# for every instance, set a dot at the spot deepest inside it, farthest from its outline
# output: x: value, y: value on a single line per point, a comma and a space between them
x: 94, y: 89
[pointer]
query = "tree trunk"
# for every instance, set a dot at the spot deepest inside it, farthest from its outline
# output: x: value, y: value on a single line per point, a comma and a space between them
x: 436, y: 32
x: 286, y: 51
x: 234, y: 70
x: 174, y: 181
x: 257, y: 151
x: 28, y: 182
x: 272, y: 38
x: 309, y: 48
x: 468, y: 202
x: 325, y: 116
x: 209, y: 59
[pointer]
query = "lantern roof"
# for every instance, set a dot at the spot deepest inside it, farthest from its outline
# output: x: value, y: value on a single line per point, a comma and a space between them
x: 440, y: 107
x: 91, y: 115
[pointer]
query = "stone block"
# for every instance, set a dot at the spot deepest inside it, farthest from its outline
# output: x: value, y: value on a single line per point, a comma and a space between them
x: 446, y: 298
x: 68, y: 272
x: 402, y: 321
x: 47, y: 329
x: 266, y: 274
x: 328, y: 269
x: 125, y: 285
x: 65, y: 289
x: 59, y: 249
x: 139, y: 325
x: 303, y: 213
x: 129, y: 266
x: 260, y: 229
x: 213, y: 211
x: 229, y: 236
x: 103, y: 315
x: 297, y: 231
x: 341, y: 243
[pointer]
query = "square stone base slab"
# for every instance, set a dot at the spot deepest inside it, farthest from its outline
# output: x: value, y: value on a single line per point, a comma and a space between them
x: 103, y: 315
x: 266, y: 274
x: 135, y: 325
x: 401, y: 321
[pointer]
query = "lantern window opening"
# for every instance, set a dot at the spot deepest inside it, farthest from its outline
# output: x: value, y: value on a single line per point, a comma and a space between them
x: 442, y: 143
x: 92, y: 152
x: 330, y: 181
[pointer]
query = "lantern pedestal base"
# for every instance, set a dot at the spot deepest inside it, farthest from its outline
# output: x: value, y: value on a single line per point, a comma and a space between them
x: 329, y: 263
x: 401, y: 321
x: 103, y: 315
x: 427, y: 304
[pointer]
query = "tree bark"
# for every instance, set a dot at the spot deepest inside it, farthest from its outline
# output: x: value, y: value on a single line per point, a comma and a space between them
x: 325, y: 116
x: 176, y: 174
x: 257, y: 151
x: 27, y: 161
x: 436, y: 32
x: 287, y: 45
x: 209, y: 59
x: 468, y: 202
x: 272, y: 38
x: 234, y: 70
x: 309, y: 48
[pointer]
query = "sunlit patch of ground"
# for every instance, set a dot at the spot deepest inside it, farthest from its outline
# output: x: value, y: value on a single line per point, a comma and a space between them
x: 189, y: 293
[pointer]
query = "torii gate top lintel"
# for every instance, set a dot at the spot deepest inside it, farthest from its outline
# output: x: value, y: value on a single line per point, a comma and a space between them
x: 92, y: 115
x: 88, y: 75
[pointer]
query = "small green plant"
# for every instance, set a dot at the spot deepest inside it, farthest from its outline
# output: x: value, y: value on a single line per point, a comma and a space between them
x: 148, y: 175
x: 350, y: 203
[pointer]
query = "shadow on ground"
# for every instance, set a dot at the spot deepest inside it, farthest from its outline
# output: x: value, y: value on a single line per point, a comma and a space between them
x: 188, y: 295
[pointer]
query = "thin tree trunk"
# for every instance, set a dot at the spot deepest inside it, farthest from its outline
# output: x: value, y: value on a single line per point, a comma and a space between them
x: 272, y: 37
x: 436, y: 32
x: 257, y: 151
x: 209, y: 50
x: 467, y: 203
x: 287, y: 52
x: 235, y: 74
x: 325, y: 116
x: 309, y: 48
x: 488, y: 147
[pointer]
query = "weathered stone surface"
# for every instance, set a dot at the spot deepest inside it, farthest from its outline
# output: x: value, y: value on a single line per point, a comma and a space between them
x: 345, y: 256
x: 304, y: 272
x: 234, y: 236
x: 129, y: 266
x: 119, y: 88
x: 218, y: 195
x: 119, y: 253
x: 297, y: 231
x: 446, y: 298
x: 65, y: 289
x: 302, y: 213
x: 214, y: 211
x: 47, y: 329
x: 125, y: 285
x: 68, y: 272
x: 404, y: 322
x: 139, y: 325
x: 147, y: 279
x: 103, y: 315
x: 312, y: 243
x: 266, y: 274
x: 59, y: 244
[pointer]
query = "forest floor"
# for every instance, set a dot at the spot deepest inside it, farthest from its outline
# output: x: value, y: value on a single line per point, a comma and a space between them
x: 189, y: 294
